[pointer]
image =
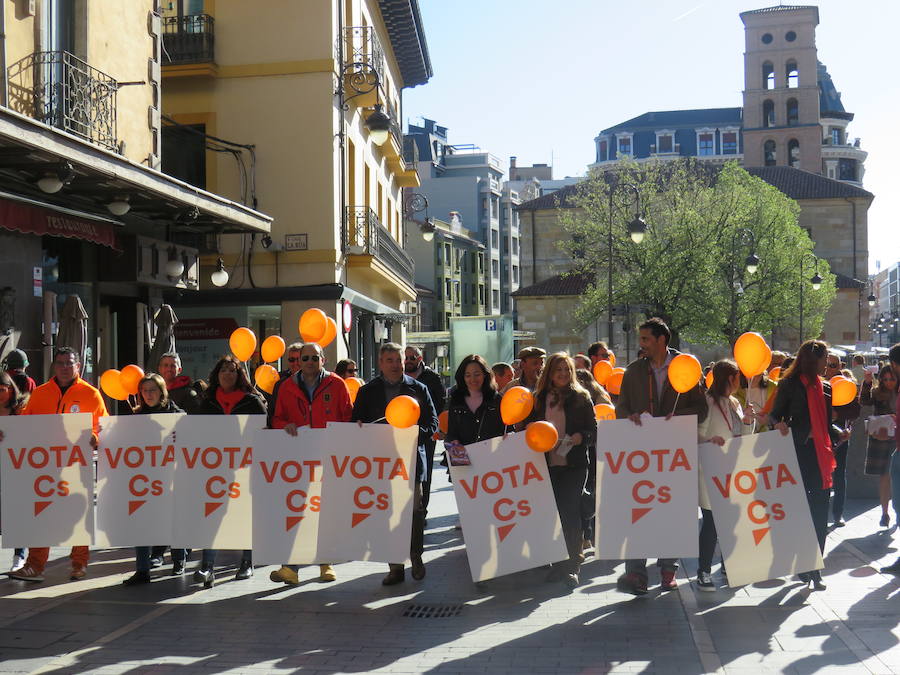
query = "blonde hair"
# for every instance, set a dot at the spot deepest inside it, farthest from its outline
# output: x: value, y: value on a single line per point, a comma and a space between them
x: 545, y: 381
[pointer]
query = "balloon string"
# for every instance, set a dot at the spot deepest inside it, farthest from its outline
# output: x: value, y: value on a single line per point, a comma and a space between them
x: 380, y: 419
x: 676, y: 402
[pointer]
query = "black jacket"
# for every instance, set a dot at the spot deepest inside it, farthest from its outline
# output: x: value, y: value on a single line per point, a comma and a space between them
x: 467, y: 427
x: 371, y: 402
x: 580, y: 419
x: 186, y: 398
x: 435, y: 387
x: 251, y: 404
x: 170, y: 407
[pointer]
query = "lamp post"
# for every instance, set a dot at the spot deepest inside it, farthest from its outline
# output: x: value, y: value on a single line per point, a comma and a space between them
x: 629, y: 196
x: 416, y: 203
x: 815, y: 280
x: 742, y: 236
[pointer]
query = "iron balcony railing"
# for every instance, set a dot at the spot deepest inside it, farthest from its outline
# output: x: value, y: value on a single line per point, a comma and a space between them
x: 364, y: 234
x: 189, y: 39
x: 63, y: 91
x: 363, y: 54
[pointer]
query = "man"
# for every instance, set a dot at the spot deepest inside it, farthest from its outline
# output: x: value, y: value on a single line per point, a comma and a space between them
x: 517, y: 367
x: 16, y: 363
x: 582, y: 362
x: 310, y: 397
x: 414, y: 366
x: 64, y: 393
x: 371, y: 402
x: 293, y: 361
x: 503, y: 374
x: 859, y: 367
x: 894, y: 357
x: 182, y: 391
x: 598, y: 351
x: 646, y: 389
x: 844, y: 417
x: 532, y: 362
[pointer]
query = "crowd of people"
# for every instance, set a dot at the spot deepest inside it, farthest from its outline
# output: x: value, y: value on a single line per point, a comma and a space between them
x: 793, y: 397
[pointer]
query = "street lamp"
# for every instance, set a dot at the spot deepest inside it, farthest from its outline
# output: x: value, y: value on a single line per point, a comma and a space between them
x: 742, y: 236
x: 871, y: 299
x: 379, y: 126
x: 816, y: 282
x: 416, y: 203
x: 629, y: 195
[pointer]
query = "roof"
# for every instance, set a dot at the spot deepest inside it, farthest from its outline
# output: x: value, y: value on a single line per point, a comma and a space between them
x: 572, y: 283
x: 665, y: 119
x: 780, y: 8
x: 407, y: 36
x: 799, y: 184
x: 843, y: 281
x: 557, y: 199
x: 830, y: 104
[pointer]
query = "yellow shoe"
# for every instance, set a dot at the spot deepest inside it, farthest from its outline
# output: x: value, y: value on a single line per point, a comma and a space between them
x: 326, y: 573
x: 285, y: 575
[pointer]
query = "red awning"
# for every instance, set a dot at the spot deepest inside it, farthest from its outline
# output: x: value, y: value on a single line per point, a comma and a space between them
x: 31, y: 219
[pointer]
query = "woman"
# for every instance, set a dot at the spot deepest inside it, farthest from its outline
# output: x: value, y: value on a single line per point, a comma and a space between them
x: 725, y: 420
x: 154, y: 399
x: 756, y: 396
x: 229, y: 393
x: 474, y: 411
x: 883, y: 397
x: 560, y: 400
x: 803, y: 405
x: 11, y: 403
x: 346, y: 368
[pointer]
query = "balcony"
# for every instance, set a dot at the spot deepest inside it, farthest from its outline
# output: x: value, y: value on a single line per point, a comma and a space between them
x: 62, y: 91
x: 364, y: 235
x: 188, y: 39
x: 363, y: 65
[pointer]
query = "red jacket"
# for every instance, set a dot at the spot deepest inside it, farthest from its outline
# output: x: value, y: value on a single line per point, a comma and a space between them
x: 330, y: 403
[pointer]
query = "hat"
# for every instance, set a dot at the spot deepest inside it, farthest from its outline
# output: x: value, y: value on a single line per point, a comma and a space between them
x: 16, y: 359
x: 528, y: 352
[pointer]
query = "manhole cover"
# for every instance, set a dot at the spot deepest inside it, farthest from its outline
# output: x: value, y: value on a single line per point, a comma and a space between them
x: 432, y: 611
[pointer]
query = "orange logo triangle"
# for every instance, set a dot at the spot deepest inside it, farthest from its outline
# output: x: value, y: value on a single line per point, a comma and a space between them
x: 212, y: 506
x: 759, y: 534
x: 291, y: 521
x: 637, y: 514
x: 358, y: 518
x: 40, y: 506
x: 135, y: 505
x: 504, y: 530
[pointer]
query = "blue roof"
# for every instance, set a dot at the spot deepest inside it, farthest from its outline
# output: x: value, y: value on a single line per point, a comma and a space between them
x: 673, y: 119
x: 829, y: 96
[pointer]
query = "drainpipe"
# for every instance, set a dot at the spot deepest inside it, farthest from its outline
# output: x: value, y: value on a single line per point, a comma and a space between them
x: 859, y: 292
x: 5, y: 93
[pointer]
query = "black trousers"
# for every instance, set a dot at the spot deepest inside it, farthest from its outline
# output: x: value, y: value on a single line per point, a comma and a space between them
x: 417, y: 536
x: 568, y: 485
x: 839, y: 477
x: 430, y: 446
x: 708, y: 539
x: 818, y: 509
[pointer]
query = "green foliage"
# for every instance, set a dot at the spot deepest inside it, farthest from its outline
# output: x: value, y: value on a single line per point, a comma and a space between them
x: 690, y: 269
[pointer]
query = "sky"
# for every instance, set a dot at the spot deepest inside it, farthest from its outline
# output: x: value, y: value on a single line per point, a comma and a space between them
x: 539, y: 80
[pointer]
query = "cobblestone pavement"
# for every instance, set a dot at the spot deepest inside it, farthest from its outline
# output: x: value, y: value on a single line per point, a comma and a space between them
x: 516, y: 624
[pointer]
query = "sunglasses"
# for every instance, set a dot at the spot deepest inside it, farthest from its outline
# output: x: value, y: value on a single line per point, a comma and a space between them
x: 352, y: 370
x: 308, y: 357
x: 293, y: 359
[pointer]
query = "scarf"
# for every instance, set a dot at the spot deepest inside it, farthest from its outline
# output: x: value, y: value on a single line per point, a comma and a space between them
x: 229, y: 400
x: 815, y: 401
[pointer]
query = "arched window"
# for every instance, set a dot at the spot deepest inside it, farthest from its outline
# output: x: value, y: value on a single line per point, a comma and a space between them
x: 768, y: 76
x: 793, y: 112
x: 769, y: 153
x: 792, y: 75
x: 768, y: 114
x: 793, y: 152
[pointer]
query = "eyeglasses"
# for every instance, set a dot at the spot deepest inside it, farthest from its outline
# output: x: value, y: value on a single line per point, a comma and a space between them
x: 314, y: 357
x: 832, y: 365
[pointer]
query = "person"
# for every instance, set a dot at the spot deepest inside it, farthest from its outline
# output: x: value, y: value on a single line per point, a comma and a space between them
x: 229, y: 393
x: 844, y: 416
x: 503, y: 374
x: 517, y: 369
x: 598, y: 351
x: 883, y: 398
x: 346, y: 368
x: 858, y: 367
x: 598, y: 395
x: 531, y: 360
x: 310, y: 398
x: 16, y: 363
x: 646, y: 389
x: 64, y: 393
x: 756, y: 396
x: 11, y: 403
x: 473, y: 412
x: 777, y: 360
x: 182, y: 391
x: 560, y: 400
x: 153, y: 397
x: 894, y: 363
x: 725, y: 420
x: 370, y: 406
x: 803, y: 407
x: 581, y: 362
x: 293, y: 367
x: 414, y: 367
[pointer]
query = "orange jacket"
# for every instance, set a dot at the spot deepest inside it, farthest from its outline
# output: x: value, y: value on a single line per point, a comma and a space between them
x: 48, y: 399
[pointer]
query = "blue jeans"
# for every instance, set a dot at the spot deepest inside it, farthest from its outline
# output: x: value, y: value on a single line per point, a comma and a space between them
x: 839, y: 479
x: 208, y: 559
x: 895, y: 483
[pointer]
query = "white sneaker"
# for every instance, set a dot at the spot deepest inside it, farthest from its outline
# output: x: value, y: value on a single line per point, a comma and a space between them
x: 18, y: 562
x: 705, y: 582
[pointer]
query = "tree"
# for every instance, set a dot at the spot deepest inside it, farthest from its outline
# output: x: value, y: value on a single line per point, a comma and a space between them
x: 690, y: 268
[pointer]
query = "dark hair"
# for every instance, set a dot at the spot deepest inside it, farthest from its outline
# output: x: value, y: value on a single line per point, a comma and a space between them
x: 881, y: 373
x: 65, y: 351
x: 657, y: 327
x: 341, y: 368
x: 243, y: 382
x: 596, y: 347
x: 762, y: 384
x: 722, y: 372
x: 894, y: 354
x: 788, y: 360
x: 807, y: 361
x: 597, y: 392
x: 160, y: 384
x: 501, y: 367
x: 16, y: 399
x: 488, y: 387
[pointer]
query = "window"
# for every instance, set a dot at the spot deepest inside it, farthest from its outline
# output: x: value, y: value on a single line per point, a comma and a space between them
x: 836, y: 136
x: 729, y: 143
x: 766, y: 38
x: 664, y: 143
x: 769, y: 153
x: 495, y: 239
x: 515, y: 246
x: 768, y: 114
x: 495, y: 207
x: 768, y: 76
x: 706, y: 144
x: 447, y: 256
x: 793, y: 152
x: 495, y: 296
x: 792, y: 75
x: 456, y: 297
x: 480, y: 294
x: 437, y: 254
x: 790, y: 36
x: 515, y: 277
x: 481, y: 262
x: 602, y: 151
x: 793, y: 112
x: 458, y: 260
x: 847, y: 169
x: 495, y: 269
x: 624, y: 146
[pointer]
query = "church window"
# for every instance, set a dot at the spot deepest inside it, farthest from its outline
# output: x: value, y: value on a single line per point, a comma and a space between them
x: 768, y: 76
x: 768, y: 114
x: 792, y: 74
x: 793, y: 152
x: 793, y: 113
x: 769, y: 153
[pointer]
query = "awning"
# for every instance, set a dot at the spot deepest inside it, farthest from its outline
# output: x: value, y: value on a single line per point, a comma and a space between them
x: 19, y: 214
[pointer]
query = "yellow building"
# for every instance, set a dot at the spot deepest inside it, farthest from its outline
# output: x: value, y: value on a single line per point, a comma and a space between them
x: 85, y: 214
x: 315, y: 88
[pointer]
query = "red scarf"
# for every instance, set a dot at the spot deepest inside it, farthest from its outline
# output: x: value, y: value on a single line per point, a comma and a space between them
x: 815, y: 401
x: 229, y: 400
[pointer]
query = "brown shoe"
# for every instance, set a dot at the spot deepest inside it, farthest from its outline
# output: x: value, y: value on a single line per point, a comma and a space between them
x: 326, y: 573
x: 78, y: 572
x: 395, y: 576
x: 418, y: 568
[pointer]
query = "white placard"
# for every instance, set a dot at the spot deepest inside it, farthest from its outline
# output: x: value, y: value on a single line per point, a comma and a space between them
x: 647, y: 488
x: 213, y: 503
x: 507, y: 509
x: 135, y: 468
x: 760, y: 509
x: 47, y: 480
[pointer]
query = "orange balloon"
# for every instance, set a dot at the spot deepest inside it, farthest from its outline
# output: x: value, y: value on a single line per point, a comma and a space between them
x: 330, y: 333
x: 242, y: 343
x: 266, y: 378
x: 353, y: 385
x: 709, y: 379
x: 541, y: 436
x: 130, y: 378
x: 402, y: 412
x: 612, y: 358
x: 516, y: 405
x: 752, y: 354
x: 843, y: 391
x: 111, y: 384
x: 272, y: 348
x: 313, y: 324
x: 604, y: 411
x: 684, y: 372
x: 443, y: 420
x: 775, y: 373
x: 614, y: 383
x: 602, y: 371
